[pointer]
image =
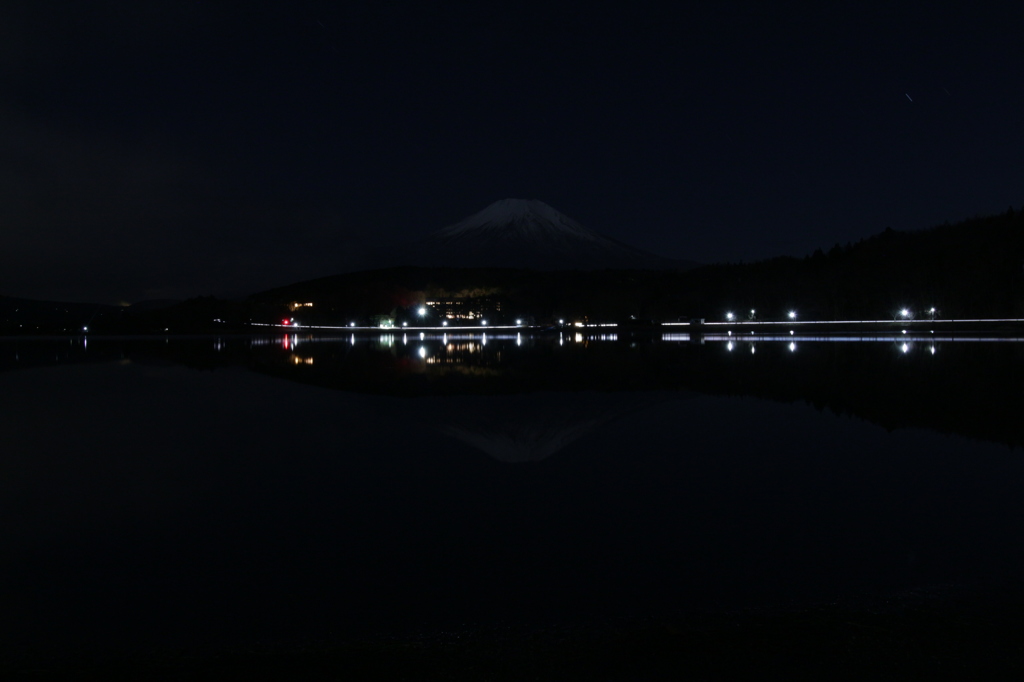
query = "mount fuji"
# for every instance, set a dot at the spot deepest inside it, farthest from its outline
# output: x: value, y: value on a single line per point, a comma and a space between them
x: 527, y: 234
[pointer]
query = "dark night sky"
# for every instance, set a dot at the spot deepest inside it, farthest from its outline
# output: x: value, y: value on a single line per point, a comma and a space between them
x: 159, y: 149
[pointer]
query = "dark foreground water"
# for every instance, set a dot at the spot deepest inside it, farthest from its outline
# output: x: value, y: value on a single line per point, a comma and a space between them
x: 210, y: 492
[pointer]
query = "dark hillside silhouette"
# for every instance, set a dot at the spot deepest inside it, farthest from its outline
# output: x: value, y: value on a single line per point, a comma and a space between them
x: 974, y: 268
x: 971, y: 269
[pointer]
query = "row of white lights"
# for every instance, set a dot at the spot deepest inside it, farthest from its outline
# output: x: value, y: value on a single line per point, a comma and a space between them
x: 904, y: 312
x: 730, y: 316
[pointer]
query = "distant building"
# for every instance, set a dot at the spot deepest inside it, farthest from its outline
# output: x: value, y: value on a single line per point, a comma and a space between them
x: 466, y: 308
x: 295, y: 305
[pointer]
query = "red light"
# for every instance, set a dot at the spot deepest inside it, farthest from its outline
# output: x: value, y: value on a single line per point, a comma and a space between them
x: 284, y: 322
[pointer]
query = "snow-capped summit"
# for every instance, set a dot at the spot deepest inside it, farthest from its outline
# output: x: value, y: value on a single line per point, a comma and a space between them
x: 522, y: 233
x: 511, y: 219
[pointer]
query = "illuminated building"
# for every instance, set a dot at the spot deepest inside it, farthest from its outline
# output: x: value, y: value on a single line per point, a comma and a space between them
x: 466, y: 308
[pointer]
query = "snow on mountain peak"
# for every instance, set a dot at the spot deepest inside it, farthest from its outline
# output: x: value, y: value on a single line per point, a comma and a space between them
x: 518, y: 219
x: 525, y: 234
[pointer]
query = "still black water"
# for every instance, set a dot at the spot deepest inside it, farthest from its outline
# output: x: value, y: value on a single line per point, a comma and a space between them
x: 190, y: 492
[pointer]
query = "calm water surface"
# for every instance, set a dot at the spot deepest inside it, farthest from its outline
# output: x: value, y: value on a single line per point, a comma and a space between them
x: 186, y: 492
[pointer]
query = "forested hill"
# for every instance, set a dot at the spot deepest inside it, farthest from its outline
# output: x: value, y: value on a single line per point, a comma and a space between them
x: 973, y: 268
x: 970, y: 269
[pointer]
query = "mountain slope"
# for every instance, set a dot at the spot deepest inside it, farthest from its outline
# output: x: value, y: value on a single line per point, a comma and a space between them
x: 518, y: 233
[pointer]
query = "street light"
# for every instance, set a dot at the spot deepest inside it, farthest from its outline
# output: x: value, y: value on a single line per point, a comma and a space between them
x: 792, y: 314
x: 729, y: 316
x: 422, y: 311
x: 904, y: 312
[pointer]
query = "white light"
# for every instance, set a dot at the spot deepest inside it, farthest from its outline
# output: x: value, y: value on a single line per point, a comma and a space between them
x: 728, y: 346
x: 904, y: 331
x: 422, y: 312
x: 932, y: 311
x: 85, y: 329
x: 444, y: 323
x: 483, y: 322
x: 752, y: 349
x: 791, y: 332
x: 519, y: 321
x: 792, y: 314
x: 932, y: 349
x: 729, y: 316
x: 351, y: 324
x: 752, y: 311
x: 905, y: 348
x: 561, y: 322
x: 405, y: 324
x: 904, y: 312
x: 423, y: 352
x: 792, y: 347
x: 421, y: 336
x: 730, y: 333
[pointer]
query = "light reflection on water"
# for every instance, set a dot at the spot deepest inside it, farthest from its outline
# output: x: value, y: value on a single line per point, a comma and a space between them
x: 560, y: 477
x: 455, y: 347
x: 848, y: 372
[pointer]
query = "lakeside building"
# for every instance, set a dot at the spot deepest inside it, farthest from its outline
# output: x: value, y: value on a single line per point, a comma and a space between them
x: 466, y: 308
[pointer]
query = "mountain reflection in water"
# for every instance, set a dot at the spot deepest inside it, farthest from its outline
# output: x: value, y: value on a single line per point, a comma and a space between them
x: 533, y: 426
x: 255, y: 489
x: 948, y: 384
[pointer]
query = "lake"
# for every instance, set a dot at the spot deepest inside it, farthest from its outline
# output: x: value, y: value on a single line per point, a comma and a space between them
x: 217, y: 492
